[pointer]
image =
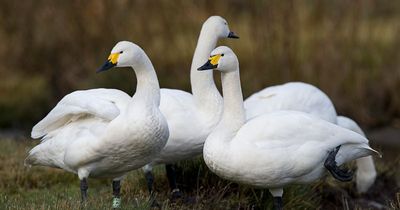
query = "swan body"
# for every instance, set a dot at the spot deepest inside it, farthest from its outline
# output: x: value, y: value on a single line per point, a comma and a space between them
x: 188, y: 127
x: 104, y: 132
x: 299, y: 96
x: 276, y: 149
x: 280, y: 148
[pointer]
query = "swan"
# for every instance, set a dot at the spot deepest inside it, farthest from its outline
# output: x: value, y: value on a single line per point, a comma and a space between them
x: 191, y: 117
x: 105, y: 132
x: 308, y: 98
x: 276, y: 149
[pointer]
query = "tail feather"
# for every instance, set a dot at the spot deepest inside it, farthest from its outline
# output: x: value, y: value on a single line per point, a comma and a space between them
x: 349, y: 152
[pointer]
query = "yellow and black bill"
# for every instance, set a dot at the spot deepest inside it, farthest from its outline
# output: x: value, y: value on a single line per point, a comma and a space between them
x: 111, y: 62
x: 212, y: 63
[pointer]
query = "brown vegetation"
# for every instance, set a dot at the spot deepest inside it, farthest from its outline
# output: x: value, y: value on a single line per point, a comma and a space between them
x: 349, y: 49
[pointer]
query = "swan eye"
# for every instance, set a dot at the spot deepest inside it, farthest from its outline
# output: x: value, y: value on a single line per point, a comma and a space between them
x: 222, y: 54
x: 226, y: 23
x: 121, y: 52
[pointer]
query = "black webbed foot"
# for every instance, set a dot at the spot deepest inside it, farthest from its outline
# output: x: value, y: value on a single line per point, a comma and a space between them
x: 343, y: 175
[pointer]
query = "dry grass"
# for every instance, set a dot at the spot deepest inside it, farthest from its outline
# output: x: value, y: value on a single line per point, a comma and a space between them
x: 45, y: 188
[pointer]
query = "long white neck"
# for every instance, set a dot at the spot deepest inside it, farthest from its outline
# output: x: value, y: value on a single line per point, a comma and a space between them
x: 204, y: 90
x: 217, y: 146
x: 233, y: 117
x: 147, y: 88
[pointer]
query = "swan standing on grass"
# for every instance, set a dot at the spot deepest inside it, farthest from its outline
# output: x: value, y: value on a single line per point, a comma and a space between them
x: 104, y: 132
x: 299, y: 96
x: 276, y: 149
x: 191, y: 117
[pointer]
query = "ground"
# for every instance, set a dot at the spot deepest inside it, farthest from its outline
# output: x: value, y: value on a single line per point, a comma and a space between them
x: 45, y: 188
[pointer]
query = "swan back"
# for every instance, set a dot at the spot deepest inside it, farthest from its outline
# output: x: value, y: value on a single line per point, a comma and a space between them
x: 297, y: 96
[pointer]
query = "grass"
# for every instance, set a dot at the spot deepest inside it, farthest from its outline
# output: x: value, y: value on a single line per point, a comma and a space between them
x: 46, y: 188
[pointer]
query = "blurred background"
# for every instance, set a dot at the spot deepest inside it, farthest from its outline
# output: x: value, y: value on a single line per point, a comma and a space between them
x: 349, y: 49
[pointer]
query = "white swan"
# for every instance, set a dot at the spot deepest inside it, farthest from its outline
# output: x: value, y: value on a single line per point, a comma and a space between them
x: 307, y: 98
x: 104, y: 132
x: 276, y: 149
x: 191, y: 117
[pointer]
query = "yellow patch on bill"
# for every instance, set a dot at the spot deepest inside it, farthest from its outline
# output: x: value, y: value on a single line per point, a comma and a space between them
x: 214, y: 59
x: 113, y: 58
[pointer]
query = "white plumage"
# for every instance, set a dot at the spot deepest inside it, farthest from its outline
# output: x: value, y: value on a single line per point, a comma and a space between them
x: 297, y: 96
x: 276, y: 149
x: 307, y: 98
x: 105, y: 132
x: 191, y: 117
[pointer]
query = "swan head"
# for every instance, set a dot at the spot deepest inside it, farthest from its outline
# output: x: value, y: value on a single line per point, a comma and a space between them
x: 219, y: 27
x: 222, y: 59
x: 123, y: 54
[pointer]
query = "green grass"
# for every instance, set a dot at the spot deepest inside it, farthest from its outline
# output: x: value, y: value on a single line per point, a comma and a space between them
x: 46, y: 188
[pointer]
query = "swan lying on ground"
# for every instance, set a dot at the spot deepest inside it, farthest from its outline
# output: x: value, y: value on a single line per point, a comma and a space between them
x: 191, y: 117
x: 104, y: 132
x: 277, y: 149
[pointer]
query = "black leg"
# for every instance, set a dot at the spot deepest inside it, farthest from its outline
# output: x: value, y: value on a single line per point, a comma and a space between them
x: 278, y: 203
x: 343, y: 175
x: 150, y: 180
x: 171, y: 175
x: 116, y: 185
x: 84, y: 187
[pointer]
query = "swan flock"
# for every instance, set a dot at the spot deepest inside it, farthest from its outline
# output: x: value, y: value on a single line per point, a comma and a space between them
x: 281, y: 135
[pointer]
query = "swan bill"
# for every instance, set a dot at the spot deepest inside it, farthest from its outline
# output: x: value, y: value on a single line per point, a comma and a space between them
x: 232, y: 35
x: 106, y: 66
x: 207, y: 66
x: 111, y: 62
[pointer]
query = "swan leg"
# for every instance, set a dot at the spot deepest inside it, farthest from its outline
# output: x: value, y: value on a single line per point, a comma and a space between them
x: 343, y: 175
x: 150, y: 180
x: 278, y: 203
x: 84, y: 187
x: 171, y: 175
x: 116, y: 185
x: 277, y: 193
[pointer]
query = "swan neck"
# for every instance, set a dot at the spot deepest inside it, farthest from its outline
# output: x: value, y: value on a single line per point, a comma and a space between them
x: 233, y: 116
x: 147, y: 88
x: 202, y: 82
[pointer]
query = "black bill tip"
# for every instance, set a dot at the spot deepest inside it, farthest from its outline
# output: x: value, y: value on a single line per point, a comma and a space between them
x: 207, y: 66
x: 232, y: 35
x: 106, y: 66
